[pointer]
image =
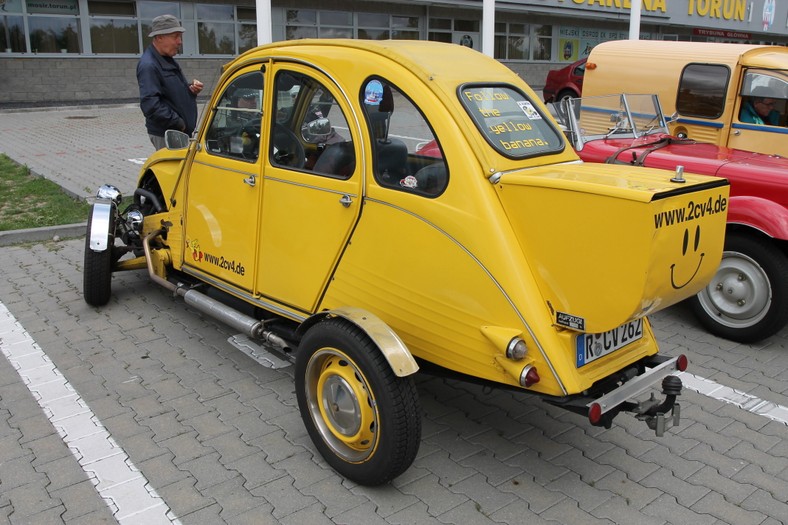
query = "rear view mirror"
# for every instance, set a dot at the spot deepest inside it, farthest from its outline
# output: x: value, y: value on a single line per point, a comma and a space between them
x: 175, y: 139
x: 316, y: 131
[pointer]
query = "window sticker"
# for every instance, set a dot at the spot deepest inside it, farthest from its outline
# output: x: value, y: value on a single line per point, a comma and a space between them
x: 510, y: 122
x: 373, y: 93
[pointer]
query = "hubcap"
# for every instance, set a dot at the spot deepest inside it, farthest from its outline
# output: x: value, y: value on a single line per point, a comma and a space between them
x: 740, y: 295
x: 341, y: 405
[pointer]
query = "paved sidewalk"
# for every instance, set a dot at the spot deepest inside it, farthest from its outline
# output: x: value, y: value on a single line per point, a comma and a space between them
x: 79, y: 148
x: 212, y: 437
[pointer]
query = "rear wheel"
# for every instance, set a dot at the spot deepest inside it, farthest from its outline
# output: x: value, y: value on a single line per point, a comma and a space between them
x: 565, y: 94
x: 747, y: 300
x: 97, y: 270
x: 364, y: 420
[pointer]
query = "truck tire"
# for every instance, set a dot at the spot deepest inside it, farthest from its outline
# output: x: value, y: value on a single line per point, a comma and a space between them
x: 364, y: 420
x: 97, y: 269
x: 747, y: 300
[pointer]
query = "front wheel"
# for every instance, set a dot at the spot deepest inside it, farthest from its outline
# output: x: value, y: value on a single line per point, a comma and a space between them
x: 747, y: 300
x: 364, y: 420
x: 97, y: 268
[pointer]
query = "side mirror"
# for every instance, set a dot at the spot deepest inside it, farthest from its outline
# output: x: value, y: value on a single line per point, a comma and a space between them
x: 175, y: 139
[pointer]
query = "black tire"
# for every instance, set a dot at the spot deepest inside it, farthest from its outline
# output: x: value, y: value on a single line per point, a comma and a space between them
x: 364, y: 420
x: 747, y: 300
x: 565, y: 94
x: 97, y: 270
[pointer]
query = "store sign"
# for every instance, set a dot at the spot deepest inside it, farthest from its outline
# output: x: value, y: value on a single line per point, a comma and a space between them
x: 53, y: 7
x: 722, y: 33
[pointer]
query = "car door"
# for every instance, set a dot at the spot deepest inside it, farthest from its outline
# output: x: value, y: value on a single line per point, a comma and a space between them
x: 224, y: 189
x: 312, y: 185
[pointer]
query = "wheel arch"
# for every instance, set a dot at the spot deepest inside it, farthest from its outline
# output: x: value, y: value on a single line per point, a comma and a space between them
x: 397, y: 354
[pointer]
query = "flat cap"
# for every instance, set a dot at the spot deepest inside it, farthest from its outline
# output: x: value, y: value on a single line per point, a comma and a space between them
x: 164, y: 25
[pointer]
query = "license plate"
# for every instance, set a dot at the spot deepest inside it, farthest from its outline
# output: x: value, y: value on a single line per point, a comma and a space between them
x: 591, y: 347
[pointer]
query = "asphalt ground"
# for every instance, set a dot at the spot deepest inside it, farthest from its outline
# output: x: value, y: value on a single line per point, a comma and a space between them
x: 142, y: 411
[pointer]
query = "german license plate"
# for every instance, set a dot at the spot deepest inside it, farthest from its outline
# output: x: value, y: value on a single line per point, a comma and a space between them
x: 591, y: 347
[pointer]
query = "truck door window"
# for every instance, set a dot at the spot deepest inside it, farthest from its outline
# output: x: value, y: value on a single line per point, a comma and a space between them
x: 235, y: 129
x: 406, y: 154
x: 765, y: 94
x: 310, y: 130
x: 702, y: 89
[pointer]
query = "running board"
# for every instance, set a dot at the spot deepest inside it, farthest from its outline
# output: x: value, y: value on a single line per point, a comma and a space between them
x: 258, y: 352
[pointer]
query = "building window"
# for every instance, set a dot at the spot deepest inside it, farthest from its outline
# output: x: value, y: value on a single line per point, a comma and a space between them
x: 117, y: 34
x: 543, y: 42
x: 336, y: 24
x: 511, y: 41
x: 450, y: 30
x: 54, y: 26
x: 12, y: 34
x: 215, y: 29
x: 247, y: 29
x: 300, y: 23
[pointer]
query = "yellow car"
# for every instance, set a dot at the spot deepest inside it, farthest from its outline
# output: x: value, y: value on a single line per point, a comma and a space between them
x: 365, y: 210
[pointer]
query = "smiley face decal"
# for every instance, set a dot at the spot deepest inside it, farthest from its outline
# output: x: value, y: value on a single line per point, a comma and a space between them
x: 685, y: 248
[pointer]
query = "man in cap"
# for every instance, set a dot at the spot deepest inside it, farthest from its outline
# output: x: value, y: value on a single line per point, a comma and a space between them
x: 167, y: 100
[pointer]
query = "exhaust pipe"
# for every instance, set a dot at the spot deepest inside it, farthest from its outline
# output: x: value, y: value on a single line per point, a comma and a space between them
x: 250, y: 326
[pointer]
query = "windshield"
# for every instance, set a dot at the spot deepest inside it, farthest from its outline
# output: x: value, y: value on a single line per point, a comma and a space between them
x: 620, y: 116
x: 510, y: 121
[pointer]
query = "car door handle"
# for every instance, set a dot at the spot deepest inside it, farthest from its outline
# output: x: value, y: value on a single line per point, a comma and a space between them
x: 250, y: 180
x: 737, y: 132
x: 346, y: 200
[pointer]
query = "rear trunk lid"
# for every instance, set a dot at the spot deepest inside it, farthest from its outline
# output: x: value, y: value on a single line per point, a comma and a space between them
x: 609, y: 243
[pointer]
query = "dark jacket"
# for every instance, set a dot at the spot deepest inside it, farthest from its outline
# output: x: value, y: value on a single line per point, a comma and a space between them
x: 165, y: 98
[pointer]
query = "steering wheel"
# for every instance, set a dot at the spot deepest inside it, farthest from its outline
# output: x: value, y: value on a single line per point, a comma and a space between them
x: 288, y: 150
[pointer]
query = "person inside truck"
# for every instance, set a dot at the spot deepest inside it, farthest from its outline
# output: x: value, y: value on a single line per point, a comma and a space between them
x: 760, y: 110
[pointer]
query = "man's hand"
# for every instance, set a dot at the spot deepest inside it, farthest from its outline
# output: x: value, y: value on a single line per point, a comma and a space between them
x: 196, y: 86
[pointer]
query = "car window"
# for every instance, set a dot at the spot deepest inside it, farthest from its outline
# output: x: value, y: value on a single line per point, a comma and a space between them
x: 235, y: 125
x: 406, y: 153
x: 702, y: 89
x: 310, y: 129
x: 510, y: 122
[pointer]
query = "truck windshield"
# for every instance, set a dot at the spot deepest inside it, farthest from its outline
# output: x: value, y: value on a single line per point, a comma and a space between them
x: 510, y: 121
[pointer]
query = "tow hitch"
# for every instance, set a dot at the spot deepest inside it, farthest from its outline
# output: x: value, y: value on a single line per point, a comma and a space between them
x: 658, y: 415
x: 662, y: 416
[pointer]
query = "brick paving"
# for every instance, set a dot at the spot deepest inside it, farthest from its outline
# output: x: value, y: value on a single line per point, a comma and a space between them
x: 220, y: 440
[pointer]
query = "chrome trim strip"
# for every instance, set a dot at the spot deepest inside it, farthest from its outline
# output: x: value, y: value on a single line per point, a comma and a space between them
x: 309, y: 186
x: 272, y: 307
x: 225, y: 168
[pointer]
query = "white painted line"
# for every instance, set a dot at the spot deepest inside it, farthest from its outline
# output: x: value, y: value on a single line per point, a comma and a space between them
x: 125, y: 490
x: 139, y: 161
x: 741, y: 399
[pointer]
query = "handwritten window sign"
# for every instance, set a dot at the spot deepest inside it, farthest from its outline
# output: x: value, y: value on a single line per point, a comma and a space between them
x: 510, y: 122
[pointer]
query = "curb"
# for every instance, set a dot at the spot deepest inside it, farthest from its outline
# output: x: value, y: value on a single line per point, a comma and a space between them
x: 47, y: 233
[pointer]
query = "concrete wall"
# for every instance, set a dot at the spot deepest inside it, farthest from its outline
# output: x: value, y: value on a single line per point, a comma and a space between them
x: 30, y: 82
x: 64, y: 81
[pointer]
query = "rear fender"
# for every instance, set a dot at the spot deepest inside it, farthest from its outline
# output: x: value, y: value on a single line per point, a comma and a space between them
x: 391, y: 346
x: 767, y: 216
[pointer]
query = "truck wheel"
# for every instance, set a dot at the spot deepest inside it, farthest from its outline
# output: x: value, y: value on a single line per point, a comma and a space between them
x: 747, y: 300
x: 97, y: 270
x: 364, y: 420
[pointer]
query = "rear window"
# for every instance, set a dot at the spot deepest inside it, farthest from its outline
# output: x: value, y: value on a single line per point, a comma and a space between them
x: 702, y: 90
x: 510, y: 122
